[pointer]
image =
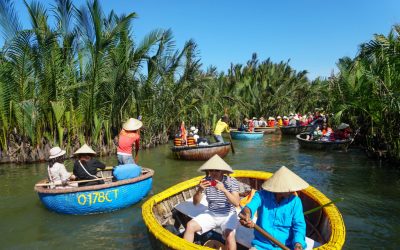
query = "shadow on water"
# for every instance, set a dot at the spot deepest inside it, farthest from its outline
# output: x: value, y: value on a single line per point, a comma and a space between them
x: 370, y: 208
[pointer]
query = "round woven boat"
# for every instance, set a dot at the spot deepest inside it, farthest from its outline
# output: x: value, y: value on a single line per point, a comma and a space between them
x: 97, y: 198
x: 241, y: 135
x: 201, y: 153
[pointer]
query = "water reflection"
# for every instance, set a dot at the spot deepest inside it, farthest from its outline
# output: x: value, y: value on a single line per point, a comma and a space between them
x: 370, y: 208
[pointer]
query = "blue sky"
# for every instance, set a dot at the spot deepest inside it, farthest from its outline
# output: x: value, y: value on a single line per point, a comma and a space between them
x: 313, y: 34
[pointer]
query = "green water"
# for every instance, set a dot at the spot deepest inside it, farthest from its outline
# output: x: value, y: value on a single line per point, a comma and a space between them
x: 371, y: 206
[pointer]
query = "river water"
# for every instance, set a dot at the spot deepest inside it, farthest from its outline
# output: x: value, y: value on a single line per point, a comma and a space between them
x: 371, y: 192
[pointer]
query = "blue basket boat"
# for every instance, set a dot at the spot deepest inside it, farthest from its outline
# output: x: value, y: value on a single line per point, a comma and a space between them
x: 97, y: 198
x: 241, y: 135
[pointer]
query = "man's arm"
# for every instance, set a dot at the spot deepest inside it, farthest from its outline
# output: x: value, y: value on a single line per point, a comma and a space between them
x: 299, y: 226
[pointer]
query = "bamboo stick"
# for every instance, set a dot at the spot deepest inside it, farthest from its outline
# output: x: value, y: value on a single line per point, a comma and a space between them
x: 71, y: 182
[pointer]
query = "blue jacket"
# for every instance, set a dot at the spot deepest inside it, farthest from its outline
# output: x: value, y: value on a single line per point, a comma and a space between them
x: 284, y: 221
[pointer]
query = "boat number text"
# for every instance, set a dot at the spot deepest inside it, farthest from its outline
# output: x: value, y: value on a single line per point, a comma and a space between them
x: 95, y: 197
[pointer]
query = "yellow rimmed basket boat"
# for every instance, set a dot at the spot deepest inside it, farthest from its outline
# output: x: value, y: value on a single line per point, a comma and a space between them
x: 165, y: 223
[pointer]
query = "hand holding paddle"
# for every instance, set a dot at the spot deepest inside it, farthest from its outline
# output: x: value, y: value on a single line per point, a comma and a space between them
x: 230, y: 140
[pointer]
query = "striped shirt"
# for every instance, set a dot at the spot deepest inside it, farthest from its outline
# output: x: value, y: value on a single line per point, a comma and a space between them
x: 217, y: 201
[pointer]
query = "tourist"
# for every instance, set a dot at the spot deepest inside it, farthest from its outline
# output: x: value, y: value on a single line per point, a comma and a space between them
x: 57, y: 173
x: 85, y: 166
x: 222, y: 126
x: 128, y: 137
x: 343, y: 132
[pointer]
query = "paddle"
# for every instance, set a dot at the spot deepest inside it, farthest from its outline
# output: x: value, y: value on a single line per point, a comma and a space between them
x: 327, y: 204
x: 265, y: 234
x: 72, y: 182
x: 230, y: 139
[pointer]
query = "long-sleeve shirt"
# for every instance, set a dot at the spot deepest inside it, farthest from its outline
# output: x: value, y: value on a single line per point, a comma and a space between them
x: 284, y: 220
x: 221, y: 127
x: 57, y: 173
x: 91, y: 167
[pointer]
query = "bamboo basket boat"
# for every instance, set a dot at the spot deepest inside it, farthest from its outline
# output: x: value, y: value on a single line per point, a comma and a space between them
x: 266, y: 130
x: 166, y: 224
x: 294, y: 130
x: 241, y: 135
x: 94, y: 199
x: 322, y: 145
x: 201, y: 153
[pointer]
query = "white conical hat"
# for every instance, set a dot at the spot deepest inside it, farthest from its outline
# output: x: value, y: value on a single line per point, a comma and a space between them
x: 85, y: 149
x: 132, y: 124
x: 283, y: 181
x: 216, y: 163
x: 56, y: 152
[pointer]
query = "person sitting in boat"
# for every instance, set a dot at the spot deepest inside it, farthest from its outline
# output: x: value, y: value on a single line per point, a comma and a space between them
x: 193, y: 132
x: 250, y: 125
x: 294, y: 121
x: 279, y: 121
x: 243, y: 127
x: 279, y: 210
x: 343, y: 132
x: 327, y: 133
x: 222, y: 125
x: 85, y: 166
x: 255, y: 122
x: 285, y: 121
x: 57, y: 173
x: 222, y: 194
x: 129, y: 136
x: 271, y: 122
x: 262, y: 122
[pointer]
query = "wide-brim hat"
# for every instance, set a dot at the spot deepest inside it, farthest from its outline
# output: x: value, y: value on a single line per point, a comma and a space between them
x: 283, y: 181
x: 254, y: 118
x: 85, y: 149
x: 343, y: 126
x: 132, y: 124
x: 216, y: 163
x: 284, y: 117
x: 271, y: 118
x: 56, y: 152
x: 278, y: 117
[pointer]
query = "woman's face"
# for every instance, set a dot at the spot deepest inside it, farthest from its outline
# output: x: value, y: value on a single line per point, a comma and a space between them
x: 216, y: 174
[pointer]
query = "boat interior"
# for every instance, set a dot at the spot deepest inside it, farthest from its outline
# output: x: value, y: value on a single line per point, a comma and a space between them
x: 177, y: 210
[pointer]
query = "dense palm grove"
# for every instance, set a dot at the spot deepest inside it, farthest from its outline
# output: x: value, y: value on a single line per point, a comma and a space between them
x: 78, y: 80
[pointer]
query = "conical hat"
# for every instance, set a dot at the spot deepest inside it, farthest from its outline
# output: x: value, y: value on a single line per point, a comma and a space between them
x: 132, y: 124
x: 85, y: 149
x: 216, y: 163
x: 283, y: 181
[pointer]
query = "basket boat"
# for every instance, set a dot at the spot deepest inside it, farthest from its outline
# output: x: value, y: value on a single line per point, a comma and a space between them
x: 322, y: 145
x: 165, y: 223
x: 241, y: 135
x: 201, y: 153
x: 97, y: 198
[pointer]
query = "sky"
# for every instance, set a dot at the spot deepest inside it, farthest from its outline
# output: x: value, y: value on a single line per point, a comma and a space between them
x: 312, y: 34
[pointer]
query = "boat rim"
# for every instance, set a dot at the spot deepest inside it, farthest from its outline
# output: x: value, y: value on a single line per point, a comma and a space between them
x: 146, y: 174
x: 244, y: 132
x: 321, y: 142
x: 336, y: 240
x: 213, y: 145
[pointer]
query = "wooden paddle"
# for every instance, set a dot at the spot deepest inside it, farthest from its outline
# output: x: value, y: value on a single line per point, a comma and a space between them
x: 265, y: 234
x: 230, y: 140
x: 71, y: 182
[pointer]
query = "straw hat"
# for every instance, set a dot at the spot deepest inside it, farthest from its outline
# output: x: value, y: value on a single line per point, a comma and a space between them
x: 343, y: 126
x: 85, y: 149
x: 271, y: 118
x: 132, y: 124
x: 216, y: 163
x: 283, y: 181
x: 56, y: 152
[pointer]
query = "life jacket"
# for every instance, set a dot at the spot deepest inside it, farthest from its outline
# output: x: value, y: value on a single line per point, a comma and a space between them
x: 271, y: 123
x: 191, y: 142
x: 178, y: 141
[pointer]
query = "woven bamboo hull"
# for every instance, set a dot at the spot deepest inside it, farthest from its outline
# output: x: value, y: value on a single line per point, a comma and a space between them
x: 240, y: 135
x: 322, y: 145
x: 266, y: 130
x: 325, y: 226
x: 97, y: 198
x: 201, y: 153
x: 294, y: 130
